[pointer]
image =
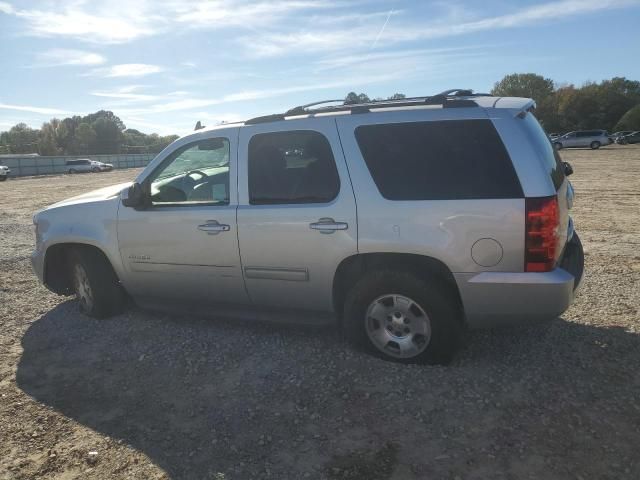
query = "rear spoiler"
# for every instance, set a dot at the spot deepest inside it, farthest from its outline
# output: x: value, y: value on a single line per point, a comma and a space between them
x: 519, y: 106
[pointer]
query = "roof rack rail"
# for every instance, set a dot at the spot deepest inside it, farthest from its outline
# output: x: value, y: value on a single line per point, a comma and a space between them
x: 448, y: 99
x: 302, y: 109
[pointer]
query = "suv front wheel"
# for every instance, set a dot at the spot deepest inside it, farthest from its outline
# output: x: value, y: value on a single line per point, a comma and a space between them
x: 95, y: 284
x: 402, y: 318
x: 557, y: 145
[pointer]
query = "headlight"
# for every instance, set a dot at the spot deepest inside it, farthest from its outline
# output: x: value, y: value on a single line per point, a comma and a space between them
x: 37, y: 230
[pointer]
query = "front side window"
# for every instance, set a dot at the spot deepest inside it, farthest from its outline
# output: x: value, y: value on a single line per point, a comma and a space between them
x: 195, y: 173
x: 291, y: 167
x: 439, y: 160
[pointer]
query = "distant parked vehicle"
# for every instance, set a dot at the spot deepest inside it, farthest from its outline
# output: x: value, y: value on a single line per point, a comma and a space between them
x: 4, y: 173
x: 620, y: 134
x: 82, y: 165
x: 632, y: 138
x: 593, y: 139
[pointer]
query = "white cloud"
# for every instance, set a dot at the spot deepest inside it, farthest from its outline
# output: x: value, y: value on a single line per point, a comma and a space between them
x: 126, y: 70
x: 111, y: 22
x: 60, y: 56
x: 6, y: 8
x: 125, y: 96
x: 276, y: 27
x: 402, y: 29
x: 32, y: 109
x: 248, y: 95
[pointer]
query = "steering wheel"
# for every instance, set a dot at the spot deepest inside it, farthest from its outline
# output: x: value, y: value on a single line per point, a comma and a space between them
x: 198, y: 172
x: 188, y: 182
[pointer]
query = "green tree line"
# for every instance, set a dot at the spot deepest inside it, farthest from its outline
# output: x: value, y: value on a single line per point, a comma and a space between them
x: 611, y: 105
x: 97, y: 133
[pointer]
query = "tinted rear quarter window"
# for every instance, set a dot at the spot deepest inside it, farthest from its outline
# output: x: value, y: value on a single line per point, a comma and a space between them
x: 549, y: 155
x: 441, y: 160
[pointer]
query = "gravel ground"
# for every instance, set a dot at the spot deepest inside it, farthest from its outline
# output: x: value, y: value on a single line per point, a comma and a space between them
x: 146, y: 396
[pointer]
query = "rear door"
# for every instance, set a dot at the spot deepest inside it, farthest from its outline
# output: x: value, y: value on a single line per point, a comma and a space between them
x: 296, y: 214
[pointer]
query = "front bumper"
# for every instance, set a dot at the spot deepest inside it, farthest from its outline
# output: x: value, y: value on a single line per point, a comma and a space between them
x: 504, y: 298
x: 37, y: 262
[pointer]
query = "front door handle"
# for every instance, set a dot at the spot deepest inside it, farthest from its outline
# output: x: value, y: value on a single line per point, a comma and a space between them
x: 212, y: 227
x: 328, y: 225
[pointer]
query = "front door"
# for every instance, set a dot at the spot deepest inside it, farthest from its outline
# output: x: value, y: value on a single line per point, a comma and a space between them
x: 296, y: 214
x: 184, y: 245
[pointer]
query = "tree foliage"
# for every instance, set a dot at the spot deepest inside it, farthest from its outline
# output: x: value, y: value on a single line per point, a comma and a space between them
x: 591, y: 106
x: 101, y: 132
x: 630, y: 120
x: 610, y: 105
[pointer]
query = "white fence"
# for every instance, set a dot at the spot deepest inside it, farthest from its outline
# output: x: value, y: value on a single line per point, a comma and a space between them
x: 26, y: 165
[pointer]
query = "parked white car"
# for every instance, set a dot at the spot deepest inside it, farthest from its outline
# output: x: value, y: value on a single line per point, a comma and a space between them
x: 82, y: 165
x: 4, y: 173
x: 593, y: 139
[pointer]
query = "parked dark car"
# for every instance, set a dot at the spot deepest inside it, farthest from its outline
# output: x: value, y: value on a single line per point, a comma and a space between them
x: 631, y: 138
x: 623, y: 133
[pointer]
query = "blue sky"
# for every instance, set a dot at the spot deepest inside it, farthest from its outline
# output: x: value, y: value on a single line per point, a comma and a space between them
x: 163, y: 65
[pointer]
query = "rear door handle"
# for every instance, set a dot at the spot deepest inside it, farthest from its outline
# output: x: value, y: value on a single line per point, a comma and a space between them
x: 328, y: 225
x: 212, y: 227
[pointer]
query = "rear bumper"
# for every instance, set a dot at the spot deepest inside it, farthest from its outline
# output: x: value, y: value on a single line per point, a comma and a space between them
x: 503, y: 298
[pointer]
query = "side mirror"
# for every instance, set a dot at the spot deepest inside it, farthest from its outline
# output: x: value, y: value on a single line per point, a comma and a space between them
x: 568, y: 169
x: 134, y: 196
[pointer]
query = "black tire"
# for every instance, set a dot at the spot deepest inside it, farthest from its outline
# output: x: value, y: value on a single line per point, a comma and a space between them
x: 595, y: 145
x: 557, y: 145
x: 95, y: 169
x: 107, y: 295
x: 72, y: 171
x: 437, y: 301
x: 3, y: 178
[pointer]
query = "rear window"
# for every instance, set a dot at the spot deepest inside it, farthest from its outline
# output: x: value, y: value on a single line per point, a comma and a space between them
x: 444, y: 160
x: 550, y: 155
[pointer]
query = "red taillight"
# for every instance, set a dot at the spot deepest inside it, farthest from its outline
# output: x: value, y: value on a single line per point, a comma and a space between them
x: 541, y: 234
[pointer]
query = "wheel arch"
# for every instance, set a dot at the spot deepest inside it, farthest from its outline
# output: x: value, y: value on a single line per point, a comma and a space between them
x: 56, y: 275
x: 352, y: 268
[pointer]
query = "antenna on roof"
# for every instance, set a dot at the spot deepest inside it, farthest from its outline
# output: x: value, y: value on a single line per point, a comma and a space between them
x: 199, y: 126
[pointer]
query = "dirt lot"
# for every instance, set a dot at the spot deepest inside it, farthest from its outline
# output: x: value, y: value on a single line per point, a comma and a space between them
x: 156, y: 396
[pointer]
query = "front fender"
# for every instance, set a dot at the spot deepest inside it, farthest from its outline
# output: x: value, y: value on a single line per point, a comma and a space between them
x: 93, y: 224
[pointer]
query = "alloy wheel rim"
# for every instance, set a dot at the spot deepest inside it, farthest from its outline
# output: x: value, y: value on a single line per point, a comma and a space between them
x: 398, y: 326
x: 84, y: 294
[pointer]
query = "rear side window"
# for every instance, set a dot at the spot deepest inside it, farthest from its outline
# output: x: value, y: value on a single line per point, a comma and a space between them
x: 438, y: 160
x: 550, y: 155
x: 291, y: 167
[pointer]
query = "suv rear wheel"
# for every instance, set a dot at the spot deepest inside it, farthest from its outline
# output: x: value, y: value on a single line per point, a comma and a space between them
x: 595, y: 145
x: 557, y: 145
x: 95, y: 284
x: 400, y: 317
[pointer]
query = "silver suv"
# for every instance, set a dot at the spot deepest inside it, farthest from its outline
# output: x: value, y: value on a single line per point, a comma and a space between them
x: 407, y: 220
x: 593, y: 139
